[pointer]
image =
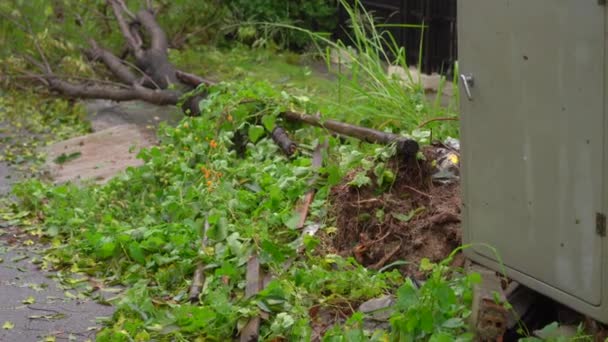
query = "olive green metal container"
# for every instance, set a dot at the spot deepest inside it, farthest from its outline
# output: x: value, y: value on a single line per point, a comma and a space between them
x: 534, y: 149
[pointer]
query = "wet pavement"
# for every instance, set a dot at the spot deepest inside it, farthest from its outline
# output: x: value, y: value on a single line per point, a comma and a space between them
x: 33, y: 305
x: 36, y: 307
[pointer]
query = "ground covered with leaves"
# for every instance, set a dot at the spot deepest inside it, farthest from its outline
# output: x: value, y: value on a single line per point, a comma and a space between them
x: 28, y: 123
x: 143, y: 231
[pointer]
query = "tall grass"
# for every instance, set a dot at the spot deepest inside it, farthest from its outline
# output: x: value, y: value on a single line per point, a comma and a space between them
x: 367, y: 93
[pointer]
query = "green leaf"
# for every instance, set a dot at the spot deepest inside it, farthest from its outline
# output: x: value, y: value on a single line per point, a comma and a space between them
x: 255, y: 133
x: 407, y: 296
x: 8, y: 325
x: 453, y: 323
x: 427, y: 322
x: 269, y: 122
x: 64, y: 158
x: 408, y: 216
x: 474, y: 278
x: 549, y: 331
x: 360, y: 180
x: 107, y: 248
x: 334, y: 175
x: 136, y: 253
x: 442, y: 337
x: 282, y: 322
x: 274, y: 252
x: 219, y: 230
x: 29, y: 300
x: 292, y: 221
x: 426, y: 264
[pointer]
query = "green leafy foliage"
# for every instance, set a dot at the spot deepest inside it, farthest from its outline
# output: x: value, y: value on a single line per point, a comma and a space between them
x: 437, y: 310
x: 316, y: 15
x: 28, y: 122
x: 142, y: 229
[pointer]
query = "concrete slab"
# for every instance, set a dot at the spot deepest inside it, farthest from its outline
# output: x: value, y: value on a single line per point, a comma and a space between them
x: 98, y: 156
x: 104, y: 114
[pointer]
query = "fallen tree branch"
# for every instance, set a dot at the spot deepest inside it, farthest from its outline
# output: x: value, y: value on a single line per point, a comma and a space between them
x: 126, y: 9
x: 280, y: 137
x: 112, y: 62
x: 405, y: 147
x: 133, y: 43
x: 158, y: 38
x: 251, y: 330
x: 191, y: 79
x: 95, y: 91
x: 198, y: 281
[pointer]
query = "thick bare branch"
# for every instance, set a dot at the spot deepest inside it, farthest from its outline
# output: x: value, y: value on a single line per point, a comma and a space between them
x: 126, y: 9
x: 406, y: 147
x: 191, y: 79
x: 126, y: 31
x: 96, y: 91
x: 113, y: 63
x: 134, y: 27
x: 155, y: 64
x: 158, y: 38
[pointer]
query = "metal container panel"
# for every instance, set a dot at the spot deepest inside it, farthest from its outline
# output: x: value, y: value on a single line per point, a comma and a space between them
x: 533, y: 143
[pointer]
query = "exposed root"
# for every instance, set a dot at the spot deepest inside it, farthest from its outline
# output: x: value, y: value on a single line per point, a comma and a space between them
x: 415, y: 219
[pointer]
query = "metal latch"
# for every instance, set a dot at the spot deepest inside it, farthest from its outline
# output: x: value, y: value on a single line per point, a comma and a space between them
x: 600, y: 224
x: 468, y: 83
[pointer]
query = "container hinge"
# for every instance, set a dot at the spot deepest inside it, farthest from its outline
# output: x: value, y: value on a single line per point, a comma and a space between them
x: 600, y: 224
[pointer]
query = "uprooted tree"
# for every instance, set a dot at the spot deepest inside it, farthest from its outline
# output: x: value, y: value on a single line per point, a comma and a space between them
x: 144, y: 72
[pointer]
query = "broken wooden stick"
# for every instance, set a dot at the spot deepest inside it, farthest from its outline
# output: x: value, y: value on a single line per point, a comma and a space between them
x: 251, y: 330
x: 280, y: 137
x: 198, y: 280
x: 405, y: 147
x: 304, y: 205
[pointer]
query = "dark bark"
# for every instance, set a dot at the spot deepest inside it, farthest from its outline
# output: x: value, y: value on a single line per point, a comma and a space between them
x: 281, y: 138
x: 405, y: 147
x: 158, y: 38
x: 134, y: 43
x: 115, y: 64
x: 155, y: 64
x: 158, y: 72
x: 191, y: 79
x: 251, y: 330
x: 96, y: 91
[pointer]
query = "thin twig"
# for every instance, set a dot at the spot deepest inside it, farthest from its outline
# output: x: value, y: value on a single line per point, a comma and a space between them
x: 13, y: 20
x: 124, y: 28
x: 436, y: 119
x: 418, y: 191
x: 27, y: 28
x: 126, y: 9
x: 385, y: 258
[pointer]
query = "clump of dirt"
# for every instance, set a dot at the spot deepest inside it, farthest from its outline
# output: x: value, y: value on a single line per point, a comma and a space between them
x: 414, y: 219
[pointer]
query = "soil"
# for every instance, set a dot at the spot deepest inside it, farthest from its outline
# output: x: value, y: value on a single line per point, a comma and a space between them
x: 377, y: 239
